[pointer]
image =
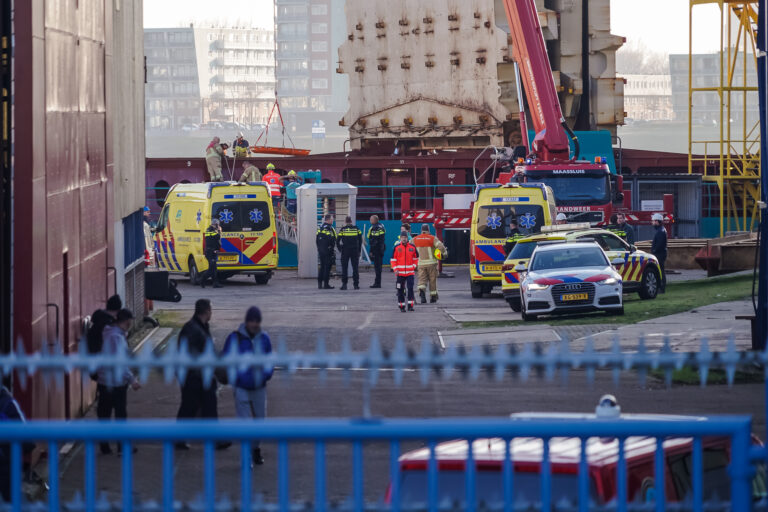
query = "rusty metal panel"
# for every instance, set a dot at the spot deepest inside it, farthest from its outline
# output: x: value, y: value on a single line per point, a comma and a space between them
x: 90, y: 71
x: 60, y: 68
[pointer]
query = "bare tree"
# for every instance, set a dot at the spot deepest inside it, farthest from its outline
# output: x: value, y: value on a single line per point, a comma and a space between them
x: 636, y: 59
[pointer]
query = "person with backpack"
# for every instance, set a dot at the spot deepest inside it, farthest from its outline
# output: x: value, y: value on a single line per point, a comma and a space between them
x: 250, y: 387
x: 10, y: 411
x: 99, y: 320
x: 113, y: 386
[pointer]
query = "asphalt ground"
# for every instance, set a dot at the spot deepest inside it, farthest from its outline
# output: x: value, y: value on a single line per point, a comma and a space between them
x: 296, y: 312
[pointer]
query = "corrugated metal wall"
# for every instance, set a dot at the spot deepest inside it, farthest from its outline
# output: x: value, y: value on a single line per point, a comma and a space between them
x: 63, y: 210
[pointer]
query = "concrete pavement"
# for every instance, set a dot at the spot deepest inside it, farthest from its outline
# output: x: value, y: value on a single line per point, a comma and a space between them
x: 297, y: 312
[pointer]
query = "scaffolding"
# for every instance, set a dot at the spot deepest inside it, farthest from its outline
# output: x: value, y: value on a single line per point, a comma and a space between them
x: 723, y: 118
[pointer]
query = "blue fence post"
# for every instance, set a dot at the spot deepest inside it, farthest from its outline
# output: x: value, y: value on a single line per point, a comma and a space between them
x: 740, y: 470
x: 432, y: 484
x: 621, y: 477
x: 358, y: 496
x: 127, y: 486
x: 209, y: 475
x: 659, y: 473
x: 245, y: 475
x: 469, y: 468
x: 167, y: 476
x: 53, y: 476
x: 698, y: 475
x: 546, y: 476
x: 90, y: 477
x: 283, y: 496
x: 394, y: 475
x: 508, y: 471
x: 320, y: 498
x: 583, y: 477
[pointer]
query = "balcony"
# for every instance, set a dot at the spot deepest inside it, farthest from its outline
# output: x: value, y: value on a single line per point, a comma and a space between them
x: 221, y: 44
x: 293, y: 36
x: 236, y: 62
x: 242, y: 79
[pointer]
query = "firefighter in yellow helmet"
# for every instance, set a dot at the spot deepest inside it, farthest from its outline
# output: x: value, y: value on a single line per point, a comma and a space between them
x: 431, y: 250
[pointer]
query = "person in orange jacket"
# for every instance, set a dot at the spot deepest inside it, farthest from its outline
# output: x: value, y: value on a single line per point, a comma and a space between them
x: 405, y: 259
x: 273, y: 182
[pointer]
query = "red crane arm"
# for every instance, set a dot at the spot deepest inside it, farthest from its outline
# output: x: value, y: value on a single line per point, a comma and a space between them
x: 530, y: 53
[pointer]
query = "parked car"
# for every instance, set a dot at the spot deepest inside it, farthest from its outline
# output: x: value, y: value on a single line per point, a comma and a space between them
x: 564, y: 455
x: 640, y: 271
x: 564, y: 278
x: 190, y: 127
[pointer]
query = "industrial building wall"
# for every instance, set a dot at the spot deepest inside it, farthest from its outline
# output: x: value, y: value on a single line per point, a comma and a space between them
x: 64, y: 209
x: 125, y: 98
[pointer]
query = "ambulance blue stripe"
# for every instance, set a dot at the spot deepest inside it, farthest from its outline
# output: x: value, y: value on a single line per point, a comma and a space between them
x: 164, y: 244
x: 492, y: 252
x: 240, y: 196
x: 159, y: 255
x: 173, y: 253
x: 229, y: 247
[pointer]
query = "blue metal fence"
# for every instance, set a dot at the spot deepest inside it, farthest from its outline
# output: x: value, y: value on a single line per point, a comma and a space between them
x: 429, y: 363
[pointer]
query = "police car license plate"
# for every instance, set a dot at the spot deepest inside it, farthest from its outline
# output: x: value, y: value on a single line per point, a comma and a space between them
x: 574, y: 296
x: 492, y: 268
x: 227, y: 258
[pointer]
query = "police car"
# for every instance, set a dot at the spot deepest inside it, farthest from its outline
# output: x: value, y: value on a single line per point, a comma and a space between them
x: 639, y: 271
x: 570, y: 277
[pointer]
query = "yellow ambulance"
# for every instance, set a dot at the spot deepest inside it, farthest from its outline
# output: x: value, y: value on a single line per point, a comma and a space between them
x: 248, y: 238
x: 531, y: 205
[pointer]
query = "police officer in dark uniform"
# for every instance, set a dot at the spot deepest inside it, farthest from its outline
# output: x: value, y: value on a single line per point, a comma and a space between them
x: 326, y: 252
x: 513, y: 237
x: 659, y: 247
x: 376, y: 248
x: 350, y: 241
x: 212, y: 246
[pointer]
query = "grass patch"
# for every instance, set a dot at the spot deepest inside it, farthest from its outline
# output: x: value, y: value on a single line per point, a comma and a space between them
x: 166, y: 318
x: 688, y: 376
x: 680, y: 297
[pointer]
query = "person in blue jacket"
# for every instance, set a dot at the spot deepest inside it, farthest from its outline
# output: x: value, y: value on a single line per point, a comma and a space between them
x: 250, y: 387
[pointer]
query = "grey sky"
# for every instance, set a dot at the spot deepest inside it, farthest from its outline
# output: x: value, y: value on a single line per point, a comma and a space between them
x: 660, y: 25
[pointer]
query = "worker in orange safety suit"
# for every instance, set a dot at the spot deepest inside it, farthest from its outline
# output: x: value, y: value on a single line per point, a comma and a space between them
x: 273, y: 182
x: 405, y: 259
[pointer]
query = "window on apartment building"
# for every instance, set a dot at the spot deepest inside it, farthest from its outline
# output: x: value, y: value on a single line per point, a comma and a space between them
x: 319, y: 83
x: 158, y: 71
x: 319, y: 28
x: 319, y: 10
x: 319, y: 46
x: 319, y: 65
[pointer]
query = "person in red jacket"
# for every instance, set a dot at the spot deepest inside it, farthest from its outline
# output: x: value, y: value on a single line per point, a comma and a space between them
x: 273, y: 182
x: 405, y: 258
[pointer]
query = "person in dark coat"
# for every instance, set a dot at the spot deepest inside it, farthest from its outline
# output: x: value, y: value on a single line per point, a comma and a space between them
x: 659, y: 247
x: 326, y: 252
x: 376, y: 248
x: 350, y: 242
x: 629, y: 231
x: 212, y: 247
x: 197, y: 398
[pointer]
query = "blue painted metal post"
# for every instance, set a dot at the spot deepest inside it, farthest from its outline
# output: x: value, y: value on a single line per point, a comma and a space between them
x: 320, y: 498
x: 282, y: 476
x: 469, y: 469
x: 16, y: 476
x: 698, y: 476
x: 394, y: 475
x: 761, y: 315
x: 546, y: 477
x: 583, y: 477
x: 432, y: 489
x: 508, y: 471
x: 90, y: 477
x: 621, y: 477
x: 740, y: 470
x: 168, y: 476
x: 659, y: 474
x: 245, y: 475
x: 53, y: 476
x: 127, y: 475
x: 209, y: 475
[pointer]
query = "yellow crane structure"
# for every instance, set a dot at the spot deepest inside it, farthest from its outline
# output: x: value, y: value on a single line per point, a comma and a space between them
x: 723, y: 120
